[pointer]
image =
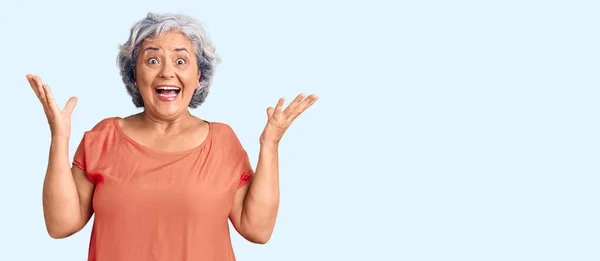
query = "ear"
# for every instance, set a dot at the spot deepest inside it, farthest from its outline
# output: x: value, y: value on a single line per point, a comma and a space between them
x: 134, y: 78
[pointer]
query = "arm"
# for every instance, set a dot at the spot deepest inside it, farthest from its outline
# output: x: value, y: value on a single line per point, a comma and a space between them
x: 256, y: 204
x: 67, y: 193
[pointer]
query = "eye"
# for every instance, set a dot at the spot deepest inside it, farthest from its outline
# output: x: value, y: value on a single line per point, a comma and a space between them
x: 180, y: 61
x: 152, y: 61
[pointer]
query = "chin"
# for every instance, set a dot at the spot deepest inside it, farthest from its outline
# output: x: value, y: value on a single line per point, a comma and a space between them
x: 171, y: 109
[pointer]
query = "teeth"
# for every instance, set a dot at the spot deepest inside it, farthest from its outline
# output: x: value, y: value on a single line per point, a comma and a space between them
x: 167, y: 88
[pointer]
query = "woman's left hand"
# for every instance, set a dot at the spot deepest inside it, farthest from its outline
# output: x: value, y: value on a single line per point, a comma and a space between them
x: 280, y: 120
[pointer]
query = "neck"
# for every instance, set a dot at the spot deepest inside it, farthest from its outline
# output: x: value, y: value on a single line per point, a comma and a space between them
x: 165, y: 125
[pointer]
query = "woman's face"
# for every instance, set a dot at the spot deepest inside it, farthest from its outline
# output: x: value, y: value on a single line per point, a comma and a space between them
x: 167, y: 74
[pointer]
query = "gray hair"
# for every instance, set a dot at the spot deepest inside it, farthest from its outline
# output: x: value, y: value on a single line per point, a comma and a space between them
x: 155, y: 25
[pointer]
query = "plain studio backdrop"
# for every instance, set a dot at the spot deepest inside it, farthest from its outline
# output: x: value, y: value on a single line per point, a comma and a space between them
x: 446, y: 130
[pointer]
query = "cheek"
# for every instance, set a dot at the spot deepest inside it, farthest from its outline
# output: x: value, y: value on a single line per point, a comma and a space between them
x: 190, y: 80
x: 191, y: 88
x: 143, y: 76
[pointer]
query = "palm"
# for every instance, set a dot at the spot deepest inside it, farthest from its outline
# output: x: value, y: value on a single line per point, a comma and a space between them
x: 280, y: 120
x: 59, y: 120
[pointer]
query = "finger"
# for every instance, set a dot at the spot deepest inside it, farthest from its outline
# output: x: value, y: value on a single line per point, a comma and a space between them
x: 314, y: 98
x: 29, y: 78
x: 309, y: 101
x: 277, y: 111
x: 36, y: 84
x: 70, y: 105
x: 33, y: 84
x: 39, y: 87
x: 50, y: 99
x: 294, y: 104
x: 270, y: 112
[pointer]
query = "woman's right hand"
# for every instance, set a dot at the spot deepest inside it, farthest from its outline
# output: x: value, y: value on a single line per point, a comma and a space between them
x: 59, y: 120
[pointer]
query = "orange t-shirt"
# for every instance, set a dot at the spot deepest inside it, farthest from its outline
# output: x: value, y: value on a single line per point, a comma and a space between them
x: 156, y: 205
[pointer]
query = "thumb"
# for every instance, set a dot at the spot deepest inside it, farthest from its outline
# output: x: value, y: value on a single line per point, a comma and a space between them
x: 270, y: 112
x: 70, y: 105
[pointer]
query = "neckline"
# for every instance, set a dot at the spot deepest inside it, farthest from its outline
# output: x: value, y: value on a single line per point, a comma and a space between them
x: 145, y: 148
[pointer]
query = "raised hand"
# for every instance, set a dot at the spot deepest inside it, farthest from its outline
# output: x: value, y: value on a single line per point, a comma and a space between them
x: 59, y: 120
x: 279, y: 121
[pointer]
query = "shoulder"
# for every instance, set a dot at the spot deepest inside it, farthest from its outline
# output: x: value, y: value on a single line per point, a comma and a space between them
x: 102, y: 130
x: 222, y: 130
x: 104, y: 124
x: 224, y: 134
x: 94, y: 142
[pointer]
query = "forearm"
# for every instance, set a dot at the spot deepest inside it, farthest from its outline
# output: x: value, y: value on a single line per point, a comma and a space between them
x: 61, y: 205
x: 262, y: 201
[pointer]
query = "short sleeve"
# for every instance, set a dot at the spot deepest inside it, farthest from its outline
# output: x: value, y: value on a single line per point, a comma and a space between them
x: 245, y: 171
x: 80, y: 159
x: 240, y: 162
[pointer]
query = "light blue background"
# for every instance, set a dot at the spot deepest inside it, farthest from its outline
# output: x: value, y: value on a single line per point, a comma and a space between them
x: 446, y: 130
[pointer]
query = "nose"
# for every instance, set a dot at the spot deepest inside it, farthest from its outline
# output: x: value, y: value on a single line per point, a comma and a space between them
x: 167, y: 71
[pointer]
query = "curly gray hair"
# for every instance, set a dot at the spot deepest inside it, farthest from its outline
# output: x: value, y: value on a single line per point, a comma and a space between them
x: 157, y: 24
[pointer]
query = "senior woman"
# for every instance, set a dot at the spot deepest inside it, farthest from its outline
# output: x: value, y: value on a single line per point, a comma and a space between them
x: 163, y: 183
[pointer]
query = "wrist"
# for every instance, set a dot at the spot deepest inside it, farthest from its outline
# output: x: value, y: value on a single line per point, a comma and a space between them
x: 57, y: 138
x: 269, y: 145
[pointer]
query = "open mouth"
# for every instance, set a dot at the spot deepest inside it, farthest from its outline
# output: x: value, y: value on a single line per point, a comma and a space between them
x: 167, y: 93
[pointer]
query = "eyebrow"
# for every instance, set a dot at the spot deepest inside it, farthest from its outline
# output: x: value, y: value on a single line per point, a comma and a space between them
x: 176, y: 49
